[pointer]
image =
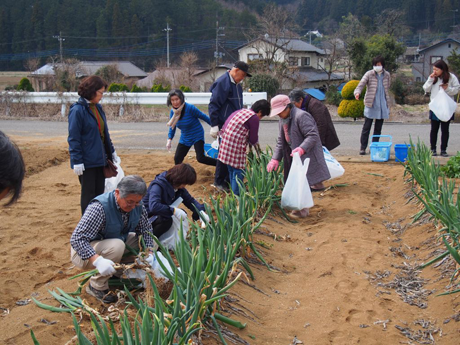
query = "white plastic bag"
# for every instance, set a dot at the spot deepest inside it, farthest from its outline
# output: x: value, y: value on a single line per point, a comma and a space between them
x: 171, y: 237
x: 296, y: 193
x: 157, y: 269
x: 112, y: 183
x: 443, y: 106
x: 335, y: 168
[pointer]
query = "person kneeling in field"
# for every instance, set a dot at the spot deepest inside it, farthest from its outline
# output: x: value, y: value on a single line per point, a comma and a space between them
x: 240, y: 128
x: 12, y: 170
x: 162, y: 194
x: 111, y: 222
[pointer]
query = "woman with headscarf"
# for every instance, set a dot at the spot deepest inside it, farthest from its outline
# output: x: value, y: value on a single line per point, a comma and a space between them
x: 298, y: 133
x: 186, y: 117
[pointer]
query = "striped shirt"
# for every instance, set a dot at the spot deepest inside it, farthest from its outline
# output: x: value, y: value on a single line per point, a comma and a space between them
x: 190, y: 125
x: 93, y: 222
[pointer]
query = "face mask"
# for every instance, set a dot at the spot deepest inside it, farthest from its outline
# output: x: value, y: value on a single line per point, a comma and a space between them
x: 378, y: 69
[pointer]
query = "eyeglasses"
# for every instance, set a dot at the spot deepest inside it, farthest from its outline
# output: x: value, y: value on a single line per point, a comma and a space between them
x: 100, y: 92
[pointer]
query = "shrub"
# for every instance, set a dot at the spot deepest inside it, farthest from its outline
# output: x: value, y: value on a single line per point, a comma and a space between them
x: 333, y: 96
x: 160, y: 88
x: 351, y: 108
x: 184, y: 88
x: 416, y: 99
x: 452, y: 168
x: 115, y: 87
x: 136, y: 88
x: 25, y: 85
x: 349, y: 88
x: 264, y: 82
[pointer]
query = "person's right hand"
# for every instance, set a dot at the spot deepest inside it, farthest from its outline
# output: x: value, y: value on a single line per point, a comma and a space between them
x: 168, y: 144
x: 214, y: 131
x: 78, y: 169
x: 357, y: 96
x: 273, y: 165
x: 179, y: 214
x: 104, y: 266
x: 432, y: 75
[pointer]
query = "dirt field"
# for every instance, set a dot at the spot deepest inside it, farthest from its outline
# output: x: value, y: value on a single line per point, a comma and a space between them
x: 11, y: 78
x: 340, y: 269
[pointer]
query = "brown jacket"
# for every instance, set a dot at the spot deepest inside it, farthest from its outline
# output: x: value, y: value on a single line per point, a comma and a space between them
x: 370, y: 80
x: 323, y: 119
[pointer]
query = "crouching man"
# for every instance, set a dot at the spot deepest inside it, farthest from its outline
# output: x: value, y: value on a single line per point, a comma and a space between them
x: 110, y: 222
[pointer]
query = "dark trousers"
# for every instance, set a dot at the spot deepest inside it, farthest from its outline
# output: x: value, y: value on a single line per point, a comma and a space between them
x: 92, y: 184
x: 182, y: 150
x: 367, y: 129
x: 161, y: 225
x: 444, y: 134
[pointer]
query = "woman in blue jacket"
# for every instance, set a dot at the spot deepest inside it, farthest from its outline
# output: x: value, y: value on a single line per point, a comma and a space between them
x: 89, y: 140
x: 186, y: 117
x: 166, y: 188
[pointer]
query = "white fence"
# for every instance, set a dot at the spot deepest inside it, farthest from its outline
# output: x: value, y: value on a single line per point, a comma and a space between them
x: 121, y: 98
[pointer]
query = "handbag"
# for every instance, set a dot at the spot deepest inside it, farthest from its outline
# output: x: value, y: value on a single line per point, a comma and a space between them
x: 110, y: 169
x: 334, y: 167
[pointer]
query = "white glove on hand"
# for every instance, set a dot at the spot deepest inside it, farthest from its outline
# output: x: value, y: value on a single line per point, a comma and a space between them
x: 179, y: 214
x: 150, y: 259
x: 115, y: 158
x: 104, y: 266
x: 168, y: 144
x: 214, y: 131
x: 78, y: 169
x: 204, y: 219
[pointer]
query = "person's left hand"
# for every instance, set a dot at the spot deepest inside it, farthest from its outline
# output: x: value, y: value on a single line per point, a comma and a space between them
x: 298, y: 150
x: 115, y: 158
x: 204, y: 219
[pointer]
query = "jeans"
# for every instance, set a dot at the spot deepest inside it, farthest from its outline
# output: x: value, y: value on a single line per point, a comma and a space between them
x: 92, y: 184
x: 182, y: 150
x: 235, y: 175
x: 367, y: 129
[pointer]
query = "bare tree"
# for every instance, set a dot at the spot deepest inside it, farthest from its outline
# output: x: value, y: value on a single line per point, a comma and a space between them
x: 335, y: 55
x: 187, y: 63
x: 32, y: 64
x: 66, y: 75
x: 391, y: 22
x: 110, y: 74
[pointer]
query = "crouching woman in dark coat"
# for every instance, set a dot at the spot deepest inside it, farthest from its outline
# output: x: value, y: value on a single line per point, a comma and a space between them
x: 166, y: 188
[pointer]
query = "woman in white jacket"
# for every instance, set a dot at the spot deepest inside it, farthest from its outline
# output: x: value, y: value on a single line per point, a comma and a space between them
x: 449, y: 82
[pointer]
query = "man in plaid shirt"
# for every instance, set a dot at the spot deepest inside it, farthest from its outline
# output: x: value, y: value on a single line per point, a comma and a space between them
x: 241, y: 128
x: 110, y: 222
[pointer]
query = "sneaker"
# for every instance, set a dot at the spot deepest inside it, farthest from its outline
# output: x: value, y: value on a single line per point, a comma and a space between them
x: 105, y: 296
x: 433, y: 153
x: 362, y: 152
x: 444, y: 154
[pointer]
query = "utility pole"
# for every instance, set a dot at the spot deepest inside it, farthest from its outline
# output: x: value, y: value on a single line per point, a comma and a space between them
x: 453, y: 13
x: 60, y: 39
x: 168, y: 29
x: 218, y: 55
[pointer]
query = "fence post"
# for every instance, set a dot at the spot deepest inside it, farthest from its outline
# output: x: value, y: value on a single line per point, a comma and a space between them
x: 63, y: 109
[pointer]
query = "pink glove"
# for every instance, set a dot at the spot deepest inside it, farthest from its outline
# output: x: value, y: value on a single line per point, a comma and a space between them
x: 299, y: 150
x: 273, y: 165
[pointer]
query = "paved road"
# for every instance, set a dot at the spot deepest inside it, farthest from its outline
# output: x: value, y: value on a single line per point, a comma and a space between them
x: 152, y: 135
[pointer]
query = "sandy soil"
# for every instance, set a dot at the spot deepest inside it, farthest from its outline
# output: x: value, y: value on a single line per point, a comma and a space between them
x: 333, y: 266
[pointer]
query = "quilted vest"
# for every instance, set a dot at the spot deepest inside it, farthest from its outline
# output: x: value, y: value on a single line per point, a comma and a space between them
x: 114, y: 227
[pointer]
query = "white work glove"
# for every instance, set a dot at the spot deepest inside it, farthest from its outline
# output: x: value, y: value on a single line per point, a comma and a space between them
x: 179, y: 214
x: 214, y: 131
x: 104, y: 266
x: 78, y: 169
x: 204, y: 219
x: 115, y: 158
x: 168, y: 144
x: 150, y: 259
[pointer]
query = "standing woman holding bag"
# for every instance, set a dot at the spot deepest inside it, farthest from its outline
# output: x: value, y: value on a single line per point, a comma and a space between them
x: 440, y: 78
x: 89, y: 140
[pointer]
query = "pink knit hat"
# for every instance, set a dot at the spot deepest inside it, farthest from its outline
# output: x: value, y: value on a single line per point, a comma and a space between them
x: 278, y: 104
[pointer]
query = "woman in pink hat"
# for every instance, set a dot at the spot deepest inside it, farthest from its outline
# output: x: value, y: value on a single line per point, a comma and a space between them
x: 298, y: 133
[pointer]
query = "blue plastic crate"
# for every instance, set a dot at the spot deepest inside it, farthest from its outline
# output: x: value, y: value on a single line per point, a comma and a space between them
x: 210, y: 151
x: 380, y: 151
